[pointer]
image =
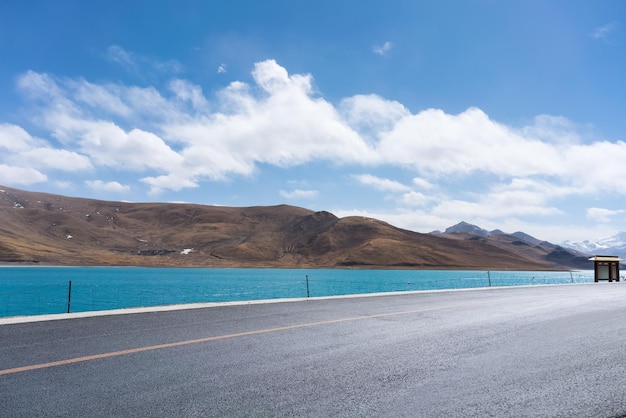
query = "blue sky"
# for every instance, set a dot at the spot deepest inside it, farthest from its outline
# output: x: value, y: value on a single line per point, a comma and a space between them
x: 506, y: 114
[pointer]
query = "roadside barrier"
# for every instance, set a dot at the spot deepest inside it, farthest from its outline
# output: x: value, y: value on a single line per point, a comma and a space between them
x: 77, y: 296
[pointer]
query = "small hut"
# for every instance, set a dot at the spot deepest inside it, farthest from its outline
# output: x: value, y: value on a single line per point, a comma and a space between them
x: 606, y: 267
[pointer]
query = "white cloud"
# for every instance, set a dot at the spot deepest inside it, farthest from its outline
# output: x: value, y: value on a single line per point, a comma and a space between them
x: 57, y: 159
x: 169, y: 182
x: 501, y: 205
x: 371, y: 115
x: 14, y: 138
x: 109, y: 145
x: 385, y: 185
x: 177, y: 138
x: 299, y: 194
x: 189, y: 92
x: 40, y: 87
x: 139, y: 64
x: 602, y: 32
x: 186, y: 138
x: 598, y: 166
x: 602, y: 215
x: 110, y: 186
x: 382, y: 49
x: 414, y: 198
x: 515, y: 200
x: 438, y: 144
x: 20, y: 175
x: 556, y: 130
x: 420, y: 183
x: 120, y: 56
x: 167, y: 67
x: 102, y: 97
x: 23, y: 150
x: 283, y: 123
x: 273, y: 78
x: 63, y: 185
x: 282, y: 126
x: 498, y: 203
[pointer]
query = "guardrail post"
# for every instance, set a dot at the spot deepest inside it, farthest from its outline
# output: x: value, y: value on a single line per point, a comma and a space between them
x: 307, y: 285
x: 69, y: 297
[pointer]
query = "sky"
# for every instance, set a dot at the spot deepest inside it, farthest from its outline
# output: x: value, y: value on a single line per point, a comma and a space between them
x: 509, y: 115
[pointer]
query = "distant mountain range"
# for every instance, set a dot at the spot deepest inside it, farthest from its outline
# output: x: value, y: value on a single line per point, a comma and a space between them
x: 613, y: 245
x: 527, y: 244
x: 466, y: 228
x: 41, y: 228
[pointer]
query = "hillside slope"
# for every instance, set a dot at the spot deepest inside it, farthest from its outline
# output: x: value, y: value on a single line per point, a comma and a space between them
x: 57, y: 230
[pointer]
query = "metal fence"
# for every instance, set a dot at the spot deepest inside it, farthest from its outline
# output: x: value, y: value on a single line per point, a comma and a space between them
x: 77, y: 296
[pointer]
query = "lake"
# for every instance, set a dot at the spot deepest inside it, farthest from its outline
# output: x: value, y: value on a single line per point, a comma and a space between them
x: 45, y: 290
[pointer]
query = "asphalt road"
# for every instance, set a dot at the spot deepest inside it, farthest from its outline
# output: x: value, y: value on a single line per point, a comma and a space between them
x: 553, y: 351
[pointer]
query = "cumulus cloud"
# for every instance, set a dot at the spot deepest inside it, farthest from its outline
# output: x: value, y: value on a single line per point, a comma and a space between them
x: 371, y: 115
x: 498, y: 204
x: 190, y: 93
x: 556, y: 130
x: 171, y: 181
x: 75, y: 122
x: 110, y: 186
x: 23, y: 150
x: 106, y: 97
x: 520, y: 197
x: 414, y: 198
x: 185, y: 138
x: 14, y: 138
x: 111, y: 146
x: 51, y: 158
x: 437, y: 144
x: 381, y: 184
x: 281, y: 124
x: 421, y: 183
x: 590, y: 166
x: 20, y: 175
x: 602, y: 215
x: 178, y: 137
x: 299, y: 194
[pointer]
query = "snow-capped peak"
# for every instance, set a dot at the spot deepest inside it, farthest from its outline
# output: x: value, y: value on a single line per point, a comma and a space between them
x: 613, y: 245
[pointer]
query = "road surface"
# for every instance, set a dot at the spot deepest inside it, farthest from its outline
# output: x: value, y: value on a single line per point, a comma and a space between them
x: 553, y: 351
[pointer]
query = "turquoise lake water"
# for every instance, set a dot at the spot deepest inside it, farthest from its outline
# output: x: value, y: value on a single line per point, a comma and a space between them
x: 45, y: 290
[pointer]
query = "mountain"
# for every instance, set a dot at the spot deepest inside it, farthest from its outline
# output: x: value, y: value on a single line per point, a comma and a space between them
x: 41, y: 228
x: 613, y: 245
x: 522, y: 244
x: 530, y: 239
x: 464, y: 227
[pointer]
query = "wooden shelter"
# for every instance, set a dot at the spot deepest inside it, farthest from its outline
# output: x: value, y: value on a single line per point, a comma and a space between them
x: 606, y: 267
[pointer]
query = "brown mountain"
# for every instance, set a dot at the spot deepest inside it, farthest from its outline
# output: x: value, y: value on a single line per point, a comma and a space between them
x: 529, y: 248
x: 57, y: 230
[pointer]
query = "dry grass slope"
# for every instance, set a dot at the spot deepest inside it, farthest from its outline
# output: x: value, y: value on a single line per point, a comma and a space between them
x: 58, y: 230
